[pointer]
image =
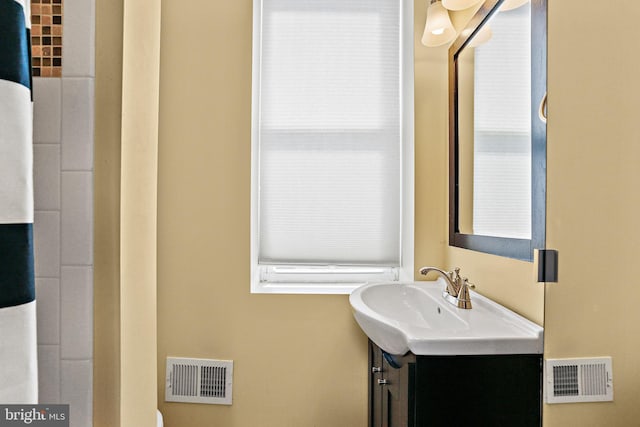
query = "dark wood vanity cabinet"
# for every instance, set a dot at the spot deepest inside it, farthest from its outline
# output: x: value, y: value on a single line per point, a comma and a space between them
x: 454, y: 391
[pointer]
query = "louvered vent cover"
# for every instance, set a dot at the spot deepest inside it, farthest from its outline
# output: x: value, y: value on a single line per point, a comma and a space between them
x: 199, y: 381
x: 579, y: 380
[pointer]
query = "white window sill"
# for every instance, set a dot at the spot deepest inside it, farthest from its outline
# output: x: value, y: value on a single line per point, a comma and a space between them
x: 306, y: 288
x: 320, y: 283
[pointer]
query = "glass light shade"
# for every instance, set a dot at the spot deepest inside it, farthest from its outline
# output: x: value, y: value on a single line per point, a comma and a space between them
x: 512, y: 4
x: 438, y: 29
x: 459, y: 4
x: 482, y: 36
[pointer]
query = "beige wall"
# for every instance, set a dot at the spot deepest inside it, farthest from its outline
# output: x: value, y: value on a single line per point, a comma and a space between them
x: 300, y: 360
x: 430, y: 98
x: 593, y: 200
x: 106, y: 311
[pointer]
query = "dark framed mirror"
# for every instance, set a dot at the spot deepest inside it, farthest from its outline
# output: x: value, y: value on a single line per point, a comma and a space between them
x: 497, y: 130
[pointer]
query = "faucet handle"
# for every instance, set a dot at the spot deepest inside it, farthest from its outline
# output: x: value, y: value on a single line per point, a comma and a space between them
x: 464, y: 282
x: 455, y: 275
x: 464, y: 299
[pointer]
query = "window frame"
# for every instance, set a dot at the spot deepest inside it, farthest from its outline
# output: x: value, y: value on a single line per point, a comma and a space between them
x: 330, y: 279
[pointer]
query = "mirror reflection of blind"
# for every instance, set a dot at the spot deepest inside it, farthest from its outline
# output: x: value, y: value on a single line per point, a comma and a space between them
x: 329, y: 132
x: 502, y: 132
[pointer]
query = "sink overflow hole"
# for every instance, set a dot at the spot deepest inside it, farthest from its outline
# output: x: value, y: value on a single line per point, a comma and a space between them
x: 439, y: 311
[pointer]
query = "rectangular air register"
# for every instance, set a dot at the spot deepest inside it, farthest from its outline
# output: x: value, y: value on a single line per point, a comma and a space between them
x: 579, y: 380
x: 199, y: 381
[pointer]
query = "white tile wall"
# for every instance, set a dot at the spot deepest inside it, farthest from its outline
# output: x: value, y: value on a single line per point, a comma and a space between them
x: 46, y: 240
x: 47, y: 101
x: 49, y: 373
x: 46, y: 176
x: 77, y: 123
x: 48, y: 310
x: 76, y: 388
x: 78, y: 38
x: 63, y: 220
x: 76, y: 327
x: 77, y: 218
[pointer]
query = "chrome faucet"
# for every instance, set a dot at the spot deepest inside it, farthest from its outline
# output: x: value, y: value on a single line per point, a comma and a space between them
x: 452, y: 278
x: 457, y: 290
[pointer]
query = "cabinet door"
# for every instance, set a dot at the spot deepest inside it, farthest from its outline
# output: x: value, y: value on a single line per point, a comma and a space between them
x: 391, y: 396
x: 492, y: 391
x: 395, y: 398
x: 375, y: 389
x: 391, y: 401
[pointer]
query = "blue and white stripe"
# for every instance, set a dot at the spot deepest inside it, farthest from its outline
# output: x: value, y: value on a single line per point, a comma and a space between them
x: 18, y: 351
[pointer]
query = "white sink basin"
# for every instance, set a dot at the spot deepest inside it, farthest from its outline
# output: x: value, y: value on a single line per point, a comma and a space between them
x: 413, y: 316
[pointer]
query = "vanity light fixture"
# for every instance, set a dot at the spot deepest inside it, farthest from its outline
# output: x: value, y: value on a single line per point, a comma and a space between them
x: 438, y: 29
x: 512, y: 4
x: 459, y: 4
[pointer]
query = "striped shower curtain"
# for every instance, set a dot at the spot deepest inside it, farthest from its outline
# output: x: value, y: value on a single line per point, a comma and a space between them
x: 18, y: 351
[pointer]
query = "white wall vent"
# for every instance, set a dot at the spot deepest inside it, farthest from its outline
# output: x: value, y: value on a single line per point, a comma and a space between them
x: 199, y: 381
x: 579, y: 380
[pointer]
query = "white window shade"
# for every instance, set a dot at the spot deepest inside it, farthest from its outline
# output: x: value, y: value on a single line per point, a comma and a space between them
x: 329, y: 133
